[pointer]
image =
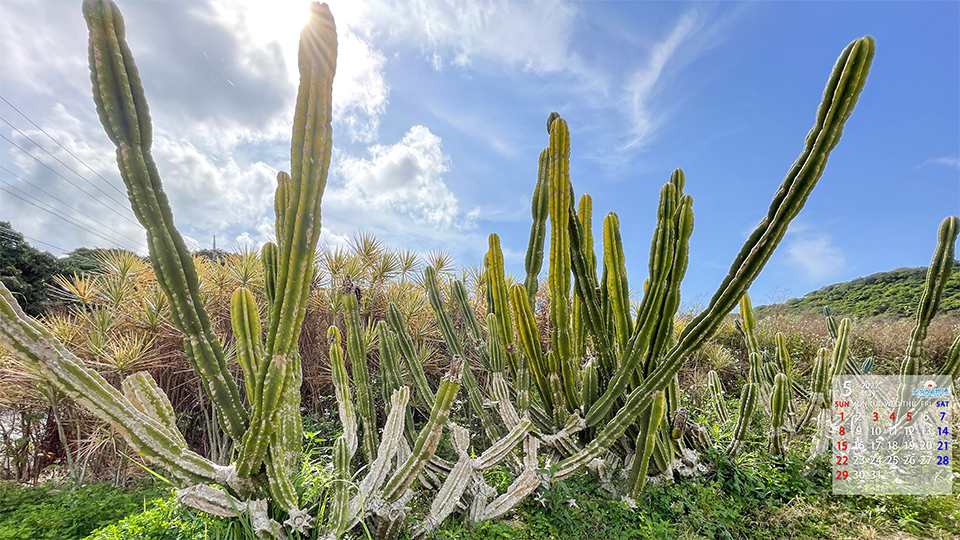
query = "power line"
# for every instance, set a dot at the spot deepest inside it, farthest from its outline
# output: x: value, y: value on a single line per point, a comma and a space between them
x: 11, y: 236
x: 75, y: 209
x: 35, y: 143
x: 64, y: 147
x: 62, y: 217
x: 67, y: 180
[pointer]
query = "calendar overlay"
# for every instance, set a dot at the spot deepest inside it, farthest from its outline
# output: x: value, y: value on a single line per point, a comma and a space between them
x: 891, y: 435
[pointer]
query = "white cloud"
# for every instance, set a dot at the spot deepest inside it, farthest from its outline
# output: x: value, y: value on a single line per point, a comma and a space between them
x: 399, y: 191
x: 815, y: 254
x: 642, y: 87
x: 403, y: 179
x: 953, y: 162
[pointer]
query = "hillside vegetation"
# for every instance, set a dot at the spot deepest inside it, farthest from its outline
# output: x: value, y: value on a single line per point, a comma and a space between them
x: 892, y: 294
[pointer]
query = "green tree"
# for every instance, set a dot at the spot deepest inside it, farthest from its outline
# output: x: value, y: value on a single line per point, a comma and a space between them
x: 80, y: 261
x: 25, y: 271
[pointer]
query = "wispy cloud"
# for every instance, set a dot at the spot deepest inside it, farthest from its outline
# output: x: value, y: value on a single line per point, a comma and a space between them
x: 694, y: 32
x: 642, y: 87
x: 815, y: 254
x: 953, y: 162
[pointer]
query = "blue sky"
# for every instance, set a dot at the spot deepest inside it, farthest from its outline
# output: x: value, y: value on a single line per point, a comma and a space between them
x: 440, y: 112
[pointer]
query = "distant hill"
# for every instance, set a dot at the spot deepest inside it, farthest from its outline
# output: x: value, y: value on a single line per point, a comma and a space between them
x: 885, y: 294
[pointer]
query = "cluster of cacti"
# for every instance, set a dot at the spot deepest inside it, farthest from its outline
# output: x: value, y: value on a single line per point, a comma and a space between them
x: 604, y: 392
x: 771, y: 379
x: 772, y: 384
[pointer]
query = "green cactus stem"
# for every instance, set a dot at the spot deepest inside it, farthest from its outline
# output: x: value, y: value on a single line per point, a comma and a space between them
x: 645, y: 444
x: 937, y: 276
x: 152, y: 439
x: 539, y: 210
x: 715, y: 389
x: 122, y: 107
x: 405, y: 342
x: 455, y: 347
x: 357, y: 351
x: 429, y: 437
x: 748, y: 403
x: 778, y: 405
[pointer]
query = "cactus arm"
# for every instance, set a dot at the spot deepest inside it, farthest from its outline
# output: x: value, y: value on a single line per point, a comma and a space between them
x: 455, y: 346
x: 530, y: 344
x: 245, y: 320
x: 255, y: 441
x: 748, y: 403
x: 583, y: 262
x: 499, y: 450
x: 469, y: 315
x: 395, y: 321
x: 951, y: 367
x: 499, y: 388
x: 715, y: 387
x: 645, y: 443
x: 122, y: 107
x: 339, y: 517
x: 841, y: 349
x: 617, y: 286
x: 37, y: 347
x: 310, y: 160
x: 268, y: 257
x: 539, y: 209
x: 819, y: 379
x: 357, y: 351
x: 429, y: 437
x: 499, y: 300
x: 778, y: 404
x: 392, y: 433
x: 560, y: 205
x: 147, y: 396
x: 840, y: 95
x: 611, y: 431
x: 937, y: 276
x: 341, y: 385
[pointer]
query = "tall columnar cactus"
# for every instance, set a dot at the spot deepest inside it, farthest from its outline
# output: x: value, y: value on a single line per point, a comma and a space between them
x: 267, y: 428
x: 937, y: 275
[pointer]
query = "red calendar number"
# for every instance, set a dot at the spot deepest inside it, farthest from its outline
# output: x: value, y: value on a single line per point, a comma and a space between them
x: 842, y: 460
x: 841, y: 475
x: 841, y: 445
x: 876, y: 417
x: 893, y: 416
x: 842, y: 431
x: 909, y: 416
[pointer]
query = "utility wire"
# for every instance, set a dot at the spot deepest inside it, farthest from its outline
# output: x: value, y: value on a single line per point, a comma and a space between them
x: 38, y: 145
x: 69, y: 181
x: 64, y: 147
x: 62, y: 217
x: 13, y: 236
x: 75, y: 209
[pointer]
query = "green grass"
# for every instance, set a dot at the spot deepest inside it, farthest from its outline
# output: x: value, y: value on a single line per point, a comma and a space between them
x: 62, y: 511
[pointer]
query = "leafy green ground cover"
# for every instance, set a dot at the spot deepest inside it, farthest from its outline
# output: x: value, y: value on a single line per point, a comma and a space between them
x: 61, y: 511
